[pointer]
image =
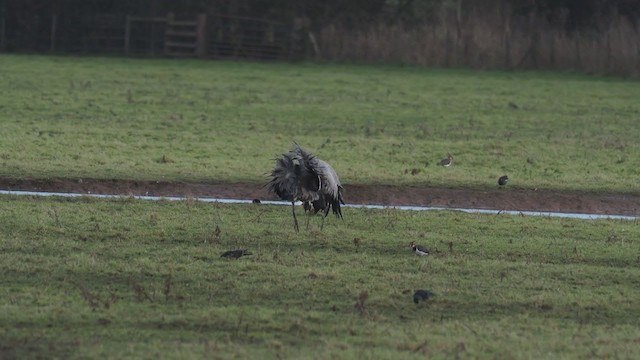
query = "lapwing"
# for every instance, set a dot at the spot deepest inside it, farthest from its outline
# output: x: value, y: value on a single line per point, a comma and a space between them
x: 235, y: 253
x: 419, y: 250
x: 423, y: 295
x: 502, y: 181
x: 447, y: 161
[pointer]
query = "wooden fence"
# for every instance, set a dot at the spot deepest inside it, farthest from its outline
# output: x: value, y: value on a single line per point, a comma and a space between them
x: 187, y: 36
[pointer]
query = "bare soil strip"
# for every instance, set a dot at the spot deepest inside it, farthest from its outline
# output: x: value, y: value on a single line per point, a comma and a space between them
x: 499, y: 199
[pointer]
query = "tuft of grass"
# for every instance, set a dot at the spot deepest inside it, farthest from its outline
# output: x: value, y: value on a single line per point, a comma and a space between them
x: 226, y: 121
x: 88, y: 278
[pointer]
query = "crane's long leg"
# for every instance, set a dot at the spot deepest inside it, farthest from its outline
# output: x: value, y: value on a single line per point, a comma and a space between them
x: 326, y: 212
x: 307, y: 212
x: 295, y: 220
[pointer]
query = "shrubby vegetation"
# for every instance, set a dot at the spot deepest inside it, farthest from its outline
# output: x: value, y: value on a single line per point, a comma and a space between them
x: 594, y: 36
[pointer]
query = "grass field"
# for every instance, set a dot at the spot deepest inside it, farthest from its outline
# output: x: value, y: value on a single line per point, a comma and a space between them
x: 133, y: 279
x: 223, y: 121
x: 90, y: 278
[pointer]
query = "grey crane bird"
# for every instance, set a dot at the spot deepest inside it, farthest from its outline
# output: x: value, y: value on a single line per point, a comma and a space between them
x: 300, y: 176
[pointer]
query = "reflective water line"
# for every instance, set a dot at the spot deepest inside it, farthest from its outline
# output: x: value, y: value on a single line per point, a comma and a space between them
x: 582, y: 216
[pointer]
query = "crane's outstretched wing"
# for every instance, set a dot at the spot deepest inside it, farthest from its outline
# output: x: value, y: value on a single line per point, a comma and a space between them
x: 328, y: 192
x: 285, y: 177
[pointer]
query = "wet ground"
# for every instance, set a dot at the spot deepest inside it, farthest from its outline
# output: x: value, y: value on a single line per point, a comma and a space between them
x: 506, y: 198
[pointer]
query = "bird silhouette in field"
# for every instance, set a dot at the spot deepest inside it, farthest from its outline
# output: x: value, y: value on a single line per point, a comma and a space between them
x: 446, y: 162
x: 418, y: 249
x: 502, y: 181
x: 422, y: 295
x: 235, y: 254
x: 300, y: 176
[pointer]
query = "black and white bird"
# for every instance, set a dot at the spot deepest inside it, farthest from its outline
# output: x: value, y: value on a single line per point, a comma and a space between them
x: 502, y: 181
x: 446, y: 162
x: 236, y: 254
x: 300, y: 176
x: 419, y: 250
x: 422, y: 295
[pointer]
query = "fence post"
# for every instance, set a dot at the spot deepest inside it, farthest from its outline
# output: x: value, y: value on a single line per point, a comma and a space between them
x: 3, y: 34
x: 506, y: 33
x: 460, y: 37
x: 201, y: 35
x: 127, y: 34
x: 54, y: 25
x: 578, y: 57
x: 170, y: 18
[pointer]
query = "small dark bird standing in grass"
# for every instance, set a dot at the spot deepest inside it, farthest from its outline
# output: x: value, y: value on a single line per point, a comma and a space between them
x: 419, y: 250
x: 423, y: 295
x: 447, y: 161
x: 502, y: 181
x: 236, y: 254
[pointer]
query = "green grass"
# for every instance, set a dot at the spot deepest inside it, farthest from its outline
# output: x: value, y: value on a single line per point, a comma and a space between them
x: 223, y: 121
x: 133, y: 279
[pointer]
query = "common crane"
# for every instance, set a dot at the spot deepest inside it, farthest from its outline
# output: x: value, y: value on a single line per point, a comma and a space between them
x: 300, y: 176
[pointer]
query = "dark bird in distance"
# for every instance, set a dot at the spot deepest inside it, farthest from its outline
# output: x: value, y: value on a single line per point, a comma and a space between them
x: 446, y: 162
x: 236, y: 254
x: 301, y: 176
x: 503, y: 180
x: 419, y: 250
x: 423, y: 295
x: 256, y: 201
